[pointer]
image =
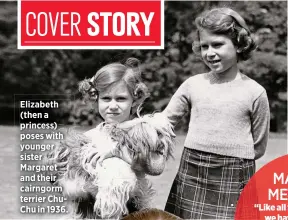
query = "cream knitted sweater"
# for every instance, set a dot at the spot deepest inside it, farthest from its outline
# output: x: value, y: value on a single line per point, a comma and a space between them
x: 226, y: 118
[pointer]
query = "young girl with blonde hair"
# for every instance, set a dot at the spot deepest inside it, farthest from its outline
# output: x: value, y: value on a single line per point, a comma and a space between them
x: 117, y: 186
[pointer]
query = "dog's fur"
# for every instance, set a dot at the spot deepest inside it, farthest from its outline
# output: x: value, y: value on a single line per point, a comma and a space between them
x: 115, y: 188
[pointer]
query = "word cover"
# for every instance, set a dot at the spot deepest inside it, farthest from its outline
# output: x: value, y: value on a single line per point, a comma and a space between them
x: 90, y: 24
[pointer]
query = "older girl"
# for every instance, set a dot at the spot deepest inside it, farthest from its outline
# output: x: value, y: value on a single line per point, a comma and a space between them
x: 229, y: 121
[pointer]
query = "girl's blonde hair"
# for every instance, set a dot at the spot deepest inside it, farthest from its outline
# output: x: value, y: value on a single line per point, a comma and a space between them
x: 227, y: 22
x: 129, y: 72
x: 151, y: 214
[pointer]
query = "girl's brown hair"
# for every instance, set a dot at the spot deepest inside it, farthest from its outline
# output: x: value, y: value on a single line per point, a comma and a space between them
x: 227, y: 22
x: 129, y: 72
x: 151, y: 214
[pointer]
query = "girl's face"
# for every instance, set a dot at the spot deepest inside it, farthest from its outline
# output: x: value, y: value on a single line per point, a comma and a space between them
x: 115, y: 103
x: 218, y: 52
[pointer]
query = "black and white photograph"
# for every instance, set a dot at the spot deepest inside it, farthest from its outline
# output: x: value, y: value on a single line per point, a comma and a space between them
x: 166, y: 134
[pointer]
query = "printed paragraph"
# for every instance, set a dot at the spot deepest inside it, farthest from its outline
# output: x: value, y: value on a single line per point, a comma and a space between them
x: 39, y: 193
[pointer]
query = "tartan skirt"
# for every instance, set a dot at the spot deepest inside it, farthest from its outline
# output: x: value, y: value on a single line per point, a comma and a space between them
x: 208, y: 186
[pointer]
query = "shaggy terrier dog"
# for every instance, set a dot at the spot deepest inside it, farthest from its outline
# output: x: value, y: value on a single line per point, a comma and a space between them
x: 115, y: 188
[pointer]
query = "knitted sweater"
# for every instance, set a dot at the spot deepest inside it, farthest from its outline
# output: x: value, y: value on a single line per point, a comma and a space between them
x: 226, y: 118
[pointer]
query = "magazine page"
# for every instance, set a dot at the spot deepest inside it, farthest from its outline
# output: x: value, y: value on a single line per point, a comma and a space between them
x: 143, y: 109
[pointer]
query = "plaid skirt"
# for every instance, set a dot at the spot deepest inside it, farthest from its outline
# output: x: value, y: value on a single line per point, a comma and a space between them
x: 208, y: 186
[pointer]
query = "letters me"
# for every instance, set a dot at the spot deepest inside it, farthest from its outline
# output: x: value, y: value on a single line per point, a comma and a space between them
x: 43, y: 23
x: 122, y: 24
x: 278, y: 194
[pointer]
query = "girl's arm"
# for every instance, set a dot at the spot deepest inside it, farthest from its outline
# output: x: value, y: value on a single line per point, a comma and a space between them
x: 179, y: 104
x: 260, y: 124
x: 177, y: 107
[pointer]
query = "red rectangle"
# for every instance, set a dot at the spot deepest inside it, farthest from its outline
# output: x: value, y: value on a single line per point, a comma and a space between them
x: 74, y: 24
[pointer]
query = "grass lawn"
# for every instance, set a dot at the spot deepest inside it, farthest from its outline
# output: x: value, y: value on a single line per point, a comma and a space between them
x: 9, y: 164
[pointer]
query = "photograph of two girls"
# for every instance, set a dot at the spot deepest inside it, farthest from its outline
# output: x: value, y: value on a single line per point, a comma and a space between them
x: 155, y: 134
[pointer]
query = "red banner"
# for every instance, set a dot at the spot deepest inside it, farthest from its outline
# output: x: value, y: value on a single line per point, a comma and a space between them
x: 90, y: 24
x: 265, y: 197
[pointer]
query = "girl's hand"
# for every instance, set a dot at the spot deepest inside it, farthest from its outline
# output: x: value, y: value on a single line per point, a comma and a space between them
x: 98, y: 157
x: 62, y: 161
x: 61, y: 167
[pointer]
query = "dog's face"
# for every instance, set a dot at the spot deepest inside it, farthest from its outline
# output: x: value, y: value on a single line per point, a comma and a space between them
x: 152, y: 164
x: 153, y: 147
